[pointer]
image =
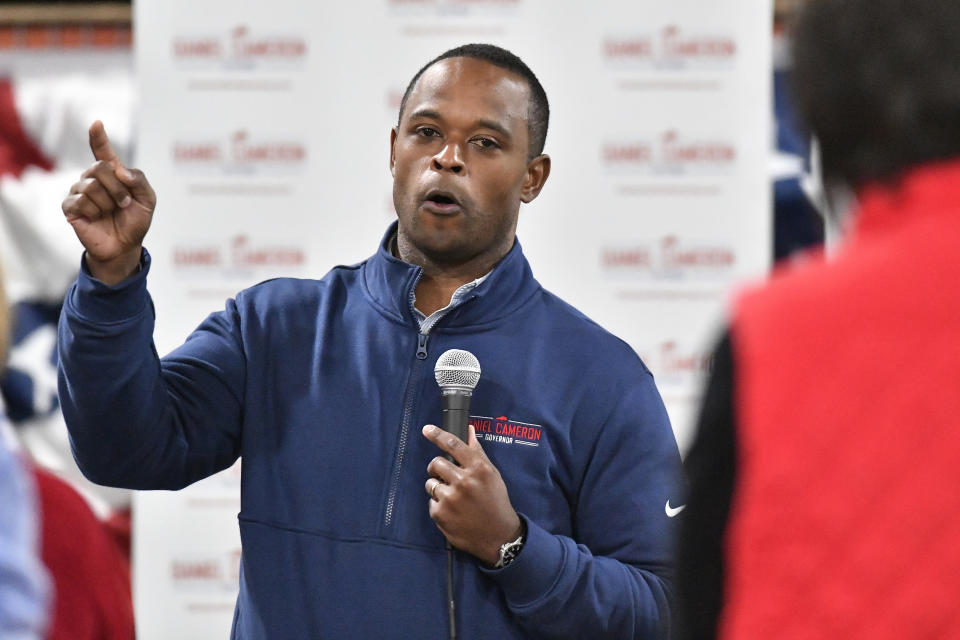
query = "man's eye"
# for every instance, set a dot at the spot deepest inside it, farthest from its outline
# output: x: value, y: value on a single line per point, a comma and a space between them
x: 428, y: 132
x: 486, y: 143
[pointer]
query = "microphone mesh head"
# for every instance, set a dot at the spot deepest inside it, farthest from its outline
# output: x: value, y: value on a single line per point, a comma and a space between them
x: 457, y: 369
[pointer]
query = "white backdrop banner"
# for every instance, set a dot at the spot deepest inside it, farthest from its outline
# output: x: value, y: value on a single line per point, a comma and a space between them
x: 264, y: 128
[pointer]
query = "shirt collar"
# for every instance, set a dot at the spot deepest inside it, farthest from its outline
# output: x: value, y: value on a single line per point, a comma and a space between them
x: 390, y: 284
x: 427, y: 322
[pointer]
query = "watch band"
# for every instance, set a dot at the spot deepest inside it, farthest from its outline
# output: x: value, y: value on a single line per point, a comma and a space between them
x: 510, y: 550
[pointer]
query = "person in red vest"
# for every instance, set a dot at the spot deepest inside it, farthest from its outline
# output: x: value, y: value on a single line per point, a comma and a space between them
x: 823, y: 481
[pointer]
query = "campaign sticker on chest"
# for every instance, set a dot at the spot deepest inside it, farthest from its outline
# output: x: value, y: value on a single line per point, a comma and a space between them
x: 504, y: 430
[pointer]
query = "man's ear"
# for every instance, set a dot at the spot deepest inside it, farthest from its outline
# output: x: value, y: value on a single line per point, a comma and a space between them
x: 538, y: 170
x: 393, y: 141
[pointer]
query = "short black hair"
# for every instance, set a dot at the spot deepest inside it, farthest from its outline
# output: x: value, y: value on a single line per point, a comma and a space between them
x: 878, y: 83
x: 538, y: 115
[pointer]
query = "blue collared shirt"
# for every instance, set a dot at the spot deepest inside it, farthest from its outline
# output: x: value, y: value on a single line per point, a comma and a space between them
x: 426, y: 324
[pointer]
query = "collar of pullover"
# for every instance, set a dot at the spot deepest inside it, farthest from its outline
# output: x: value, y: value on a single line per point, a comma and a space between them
x: 390, y: 283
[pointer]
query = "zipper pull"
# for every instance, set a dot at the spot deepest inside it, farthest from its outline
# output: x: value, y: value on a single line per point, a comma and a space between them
x: 422, y: 346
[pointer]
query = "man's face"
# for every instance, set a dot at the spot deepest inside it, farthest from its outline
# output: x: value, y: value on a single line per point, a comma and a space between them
x: 459, y: 160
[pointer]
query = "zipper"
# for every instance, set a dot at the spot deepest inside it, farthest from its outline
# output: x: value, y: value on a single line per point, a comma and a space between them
x: 413, y: 383
x: 408, y: 402
x: 409, y: 398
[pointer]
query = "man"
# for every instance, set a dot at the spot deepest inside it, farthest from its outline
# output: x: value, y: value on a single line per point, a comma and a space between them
x: 320, y: 386
x: 831, y: 418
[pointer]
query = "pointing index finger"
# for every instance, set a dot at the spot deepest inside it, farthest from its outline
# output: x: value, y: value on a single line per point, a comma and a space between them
x: 473, y: 442
x: 100, y: 144
x: 449, y: 443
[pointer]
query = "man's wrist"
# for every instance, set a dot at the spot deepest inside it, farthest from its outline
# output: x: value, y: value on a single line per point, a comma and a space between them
x: 116, y: 270
x: 509, y: 550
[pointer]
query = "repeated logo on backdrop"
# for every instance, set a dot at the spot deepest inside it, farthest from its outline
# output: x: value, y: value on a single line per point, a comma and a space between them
x: 670, y: 48
x: 676, y: 363
x: 670, y: 152
x: 236, y: 253
x: 240, y: 152
x: 212, y: 574
x: 240, y: 48
x: 670, y: 258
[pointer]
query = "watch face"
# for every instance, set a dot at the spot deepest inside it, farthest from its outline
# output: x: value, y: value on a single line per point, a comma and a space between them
x: 509, y: 551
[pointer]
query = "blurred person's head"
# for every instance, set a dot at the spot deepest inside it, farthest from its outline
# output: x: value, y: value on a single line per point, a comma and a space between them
x: 784, y: 10
x: 878, y: 84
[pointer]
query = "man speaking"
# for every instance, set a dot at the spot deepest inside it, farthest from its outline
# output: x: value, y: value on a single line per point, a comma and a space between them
x: 558, y: 522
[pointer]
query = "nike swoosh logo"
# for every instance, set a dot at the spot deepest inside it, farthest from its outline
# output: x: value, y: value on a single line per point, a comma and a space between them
x: 672, y: 511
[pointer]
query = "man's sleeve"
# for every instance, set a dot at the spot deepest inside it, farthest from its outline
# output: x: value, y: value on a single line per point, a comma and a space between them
x: 613, y: 579
x: 711, y: 469
x: 137, y: 422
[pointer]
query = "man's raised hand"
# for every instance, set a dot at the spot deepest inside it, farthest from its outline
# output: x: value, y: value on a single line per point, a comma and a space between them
x: 110, y: 209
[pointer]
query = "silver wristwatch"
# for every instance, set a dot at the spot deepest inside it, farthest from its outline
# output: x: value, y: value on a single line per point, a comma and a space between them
x: 510, y: 550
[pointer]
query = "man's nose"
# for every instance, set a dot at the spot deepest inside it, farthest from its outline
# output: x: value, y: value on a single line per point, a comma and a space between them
x: 449, y: 158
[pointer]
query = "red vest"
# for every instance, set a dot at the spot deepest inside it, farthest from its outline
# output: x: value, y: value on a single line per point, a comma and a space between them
x: 846, y: 514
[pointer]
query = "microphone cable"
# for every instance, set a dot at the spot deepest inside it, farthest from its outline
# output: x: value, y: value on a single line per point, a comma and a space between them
x: 451, y: 601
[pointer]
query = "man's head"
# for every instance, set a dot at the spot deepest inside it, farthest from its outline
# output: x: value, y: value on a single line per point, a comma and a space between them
x: 461, y: 158
x: 877, y: 81
x: 538, y: 116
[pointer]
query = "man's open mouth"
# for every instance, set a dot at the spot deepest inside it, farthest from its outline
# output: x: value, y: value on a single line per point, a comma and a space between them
x: 441, y: 202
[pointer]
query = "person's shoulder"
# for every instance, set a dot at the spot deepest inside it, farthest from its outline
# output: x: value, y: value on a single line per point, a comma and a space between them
x: 815, y: 281
x: 583, y: 334
x: 284, y: 288
x: 285, y: 285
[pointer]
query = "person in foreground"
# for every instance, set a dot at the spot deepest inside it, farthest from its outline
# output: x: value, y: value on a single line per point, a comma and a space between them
x: 823, y: 499
x: 24, y: 583
x: 322, y: 385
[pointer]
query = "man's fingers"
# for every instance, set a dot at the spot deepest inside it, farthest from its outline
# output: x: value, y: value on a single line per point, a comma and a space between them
x: 129, y: 176
x: 449, y: 443
x: 474, y: 443
x: 443, y: 469
x: 132, y: 178
x: 100, y: 144
x: 78, y: 205
x: 106, y: 175
x: 435, y: 488
x: 136, y: 182
x: 92, y: 189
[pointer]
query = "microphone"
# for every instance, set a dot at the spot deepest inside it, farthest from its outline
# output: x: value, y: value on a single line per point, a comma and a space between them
x: 457, y: 372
